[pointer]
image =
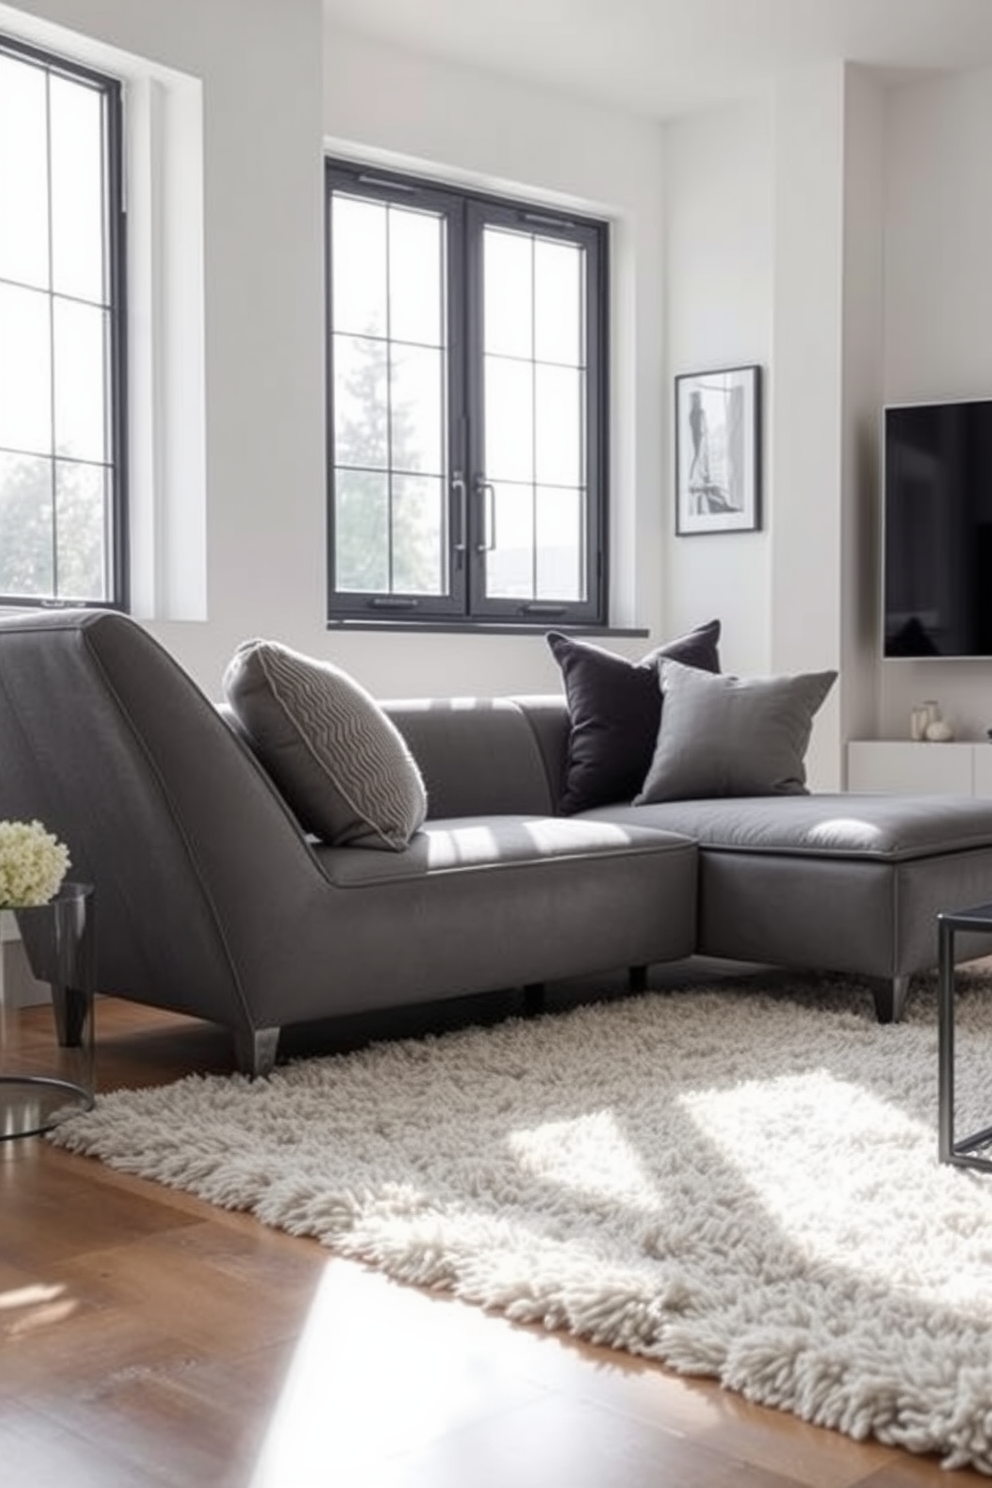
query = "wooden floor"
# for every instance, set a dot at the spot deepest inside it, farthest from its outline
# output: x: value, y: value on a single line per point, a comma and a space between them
x: 149, y: 1339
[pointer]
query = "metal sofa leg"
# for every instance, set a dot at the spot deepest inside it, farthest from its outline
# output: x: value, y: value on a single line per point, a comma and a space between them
x: 255, y: 1051
x: 533, y: 999
x: 890, y: 999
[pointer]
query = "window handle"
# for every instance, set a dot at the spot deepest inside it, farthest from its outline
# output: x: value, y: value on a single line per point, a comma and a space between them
x: 487, y: 490
x: 460, y: 490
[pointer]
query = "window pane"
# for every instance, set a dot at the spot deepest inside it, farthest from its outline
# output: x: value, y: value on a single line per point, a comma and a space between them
x: 508, y: 287
x: 361, y: 402
x: 509, y: 416
x: 559, y: 299
x: 560, y: 546
x: 558, y: 443
x: 81, y: 509
x: 25, y: 370
x: 510, y: 525
x: 26, y: 526
x: 358, y: 266
x: 80, y: 378
x: 77, y: 190
x: 419, y: 538
x: 23, y: 174
x: 416, y: 277
x: 416, y: 425
x: 361, y: 531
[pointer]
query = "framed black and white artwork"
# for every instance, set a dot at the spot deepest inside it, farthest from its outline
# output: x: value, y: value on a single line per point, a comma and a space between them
x: 718, y: 451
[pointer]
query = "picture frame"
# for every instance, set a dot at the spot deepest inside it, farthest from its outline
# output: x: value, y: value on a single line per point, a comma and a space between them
x: 718, y: 451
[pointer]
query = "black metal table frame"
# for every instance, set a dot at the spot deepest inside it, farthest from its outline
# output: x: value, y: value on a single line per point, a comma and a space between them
x: 965, y: 1152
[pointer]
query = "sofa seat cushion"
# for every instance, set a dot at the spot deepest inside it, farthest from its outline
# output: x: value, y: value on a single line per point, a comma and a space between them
x: 488, y: 902
x: 888, y: 828
x: 466, y: 844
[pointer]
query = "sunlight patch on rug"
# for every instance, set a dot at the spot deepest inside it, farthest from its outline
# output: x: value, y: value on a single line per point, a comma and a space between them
x: 792, y: 1141
x: 742, y: 1185
x: 589, y: 1155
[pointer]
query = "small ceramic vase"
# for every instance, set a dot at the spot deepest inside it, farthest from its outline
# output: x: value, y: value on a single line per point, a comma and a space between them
x: 918, y: 723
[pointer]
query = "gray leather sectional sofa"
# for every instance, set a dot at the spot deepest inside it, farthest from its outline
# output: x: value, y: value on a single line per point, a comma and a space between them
x: 212, y: 900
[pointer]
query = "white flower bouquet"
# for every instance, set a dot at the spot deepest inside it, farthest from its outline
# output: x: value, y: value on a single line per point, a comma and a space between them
x: 33, y: 864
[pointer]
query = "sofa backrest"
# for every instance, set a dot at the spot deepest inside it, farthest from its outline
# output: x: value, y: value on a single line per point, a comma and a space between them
x: 486, y: 756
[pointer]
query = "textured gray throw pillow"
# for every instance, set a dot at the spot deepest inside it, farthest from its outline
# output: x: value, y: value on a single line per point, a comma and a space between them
x: 342, y: 765
x: 732, y: 736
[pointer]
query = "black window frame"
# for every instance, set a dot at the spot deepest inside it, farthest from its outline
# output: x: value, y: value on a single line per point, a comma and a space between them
x: 115, y: 243
x: 466, y: 605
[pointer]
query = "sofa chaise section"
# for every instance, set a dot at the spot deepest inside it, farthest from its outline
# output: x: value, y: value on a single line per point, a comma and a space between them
x: 843, y: 882
x: 212, y: 901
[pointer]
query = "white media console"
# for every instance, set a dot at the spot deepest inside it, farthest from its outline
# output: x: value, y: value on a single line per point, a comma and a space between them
x: 901, y: 767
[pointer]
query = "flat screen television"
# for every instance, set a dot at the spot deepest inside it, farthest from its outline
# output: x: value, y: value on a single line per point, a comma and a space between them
x: 937, y: 529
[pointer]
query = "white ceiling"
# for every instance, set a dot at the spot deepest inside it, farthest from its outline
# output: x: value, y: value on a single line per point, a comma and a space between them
x: 665, y: 57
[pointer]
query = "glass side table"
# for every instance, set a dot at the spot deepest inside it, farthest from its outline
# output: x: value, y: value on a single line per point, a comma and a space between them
x: 970, y: 1151
x: 46, y: 1067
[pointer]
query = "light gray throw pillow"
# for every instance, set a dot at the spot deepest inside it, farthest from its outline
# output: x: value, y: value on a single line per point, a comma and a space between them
x: 342, y: 765
x: 732, y: 736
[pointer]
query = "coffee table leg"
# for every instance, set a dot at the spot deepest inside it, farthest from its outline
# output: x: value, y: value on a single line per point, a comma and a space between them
x: 945, y: 1034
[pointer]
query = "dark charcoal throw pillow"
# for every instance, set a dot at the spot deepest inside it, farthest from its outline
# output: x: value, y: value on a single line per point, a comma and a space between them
x: 614, y: 708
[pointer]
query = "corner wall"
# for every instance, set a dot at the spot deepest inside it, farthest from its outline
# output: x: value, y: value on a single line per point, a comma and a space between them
x: 774, y: 257
x: 718, y: 313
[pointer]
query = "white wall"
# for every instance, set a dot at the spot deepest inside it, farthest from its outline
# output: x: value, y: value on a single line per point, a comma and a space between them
x: 938, y: 318
x: 718, y: 313
x: 805, y: 443
x: 864, y: 166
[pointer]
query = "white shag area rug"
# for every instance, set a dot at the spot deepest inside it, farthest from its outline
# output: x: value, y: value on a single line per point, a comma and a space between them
x: 740, y: 1184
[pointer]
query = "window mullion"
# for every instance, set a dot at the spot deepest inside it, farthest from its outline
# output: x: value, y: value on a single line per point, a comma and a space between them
x: 50, y: 249
x: 459, y: 413
x: 475, y: 380
x: 533, y: 414
x: 390, y: 523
